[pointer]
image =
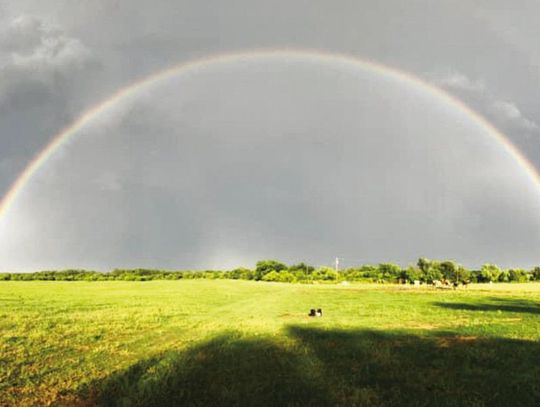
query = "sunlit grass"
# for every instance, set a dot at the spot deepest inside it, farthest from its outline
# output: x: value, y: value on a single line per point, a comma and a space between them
x: 66, y: 342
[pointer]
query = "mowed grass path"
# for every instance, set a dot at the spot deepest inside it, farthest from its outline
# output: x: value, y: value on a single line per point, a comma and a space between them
x: 216, y: 342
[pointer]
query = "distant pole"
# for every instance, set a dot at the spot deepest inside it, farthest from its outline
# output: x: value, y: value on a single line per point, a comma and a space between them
x: 337, y: 268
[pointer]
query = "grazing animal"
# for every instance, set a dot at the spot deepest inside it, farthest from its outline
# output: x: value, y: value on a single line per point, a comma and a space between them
x: 315, y: 312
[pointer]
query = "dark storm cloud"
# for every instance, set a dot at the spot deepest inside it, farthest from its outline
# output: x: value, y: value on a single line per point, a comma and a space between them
x: 40, y: 70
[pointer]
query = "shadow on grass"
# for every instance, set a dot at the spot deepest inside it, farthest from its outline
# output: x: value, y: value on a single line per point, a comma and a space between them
x: 497, y: 304
x: 227, y: 371
x: 331, y: 367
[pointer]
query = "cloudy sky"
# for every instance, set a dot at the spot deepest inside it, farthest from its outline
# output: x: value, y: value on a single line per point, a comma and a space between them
x: 279, y: 157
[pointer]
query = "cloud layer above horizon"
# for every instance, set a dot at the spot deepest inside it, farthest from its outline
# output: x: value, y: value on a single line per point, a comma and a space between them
x: 408, y: 177
x: 278, y: 158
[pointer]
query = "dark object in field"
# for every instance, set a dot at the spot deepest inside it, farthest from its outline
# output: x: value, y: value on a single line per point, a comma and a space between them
x: 315, y: 313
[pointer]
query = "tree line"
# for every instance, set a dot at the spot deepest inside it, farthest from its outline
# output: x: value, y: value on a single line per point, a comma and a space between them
x: 425, y: 271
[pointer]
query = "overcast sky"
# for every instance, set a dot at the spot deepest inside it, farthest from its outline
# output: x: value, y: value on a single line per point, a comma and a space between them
x: 277, y: 158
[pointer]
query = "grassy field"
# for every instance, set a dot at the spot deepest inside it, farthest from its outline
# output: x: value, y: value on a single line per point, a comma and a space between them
x: 206, y: 342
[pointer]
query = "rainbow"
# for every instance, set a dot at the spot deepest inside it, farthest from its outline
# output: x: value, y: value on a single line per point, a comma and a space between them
x: 193, y: 66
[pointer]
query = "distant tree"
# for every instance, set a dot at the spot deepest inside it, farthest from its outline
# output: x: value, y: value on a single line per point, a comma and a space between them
x: 448, y: 270
x: 462, y: 275
x: 389, y: 272
x: 429, y: 270
x: 411, y: 275
x: 324, y: 273
x: 302, y: 271
x: 489, y: 273
x: 264, y: 267
x: 370, y: 272
x: 504, y: 276
x: 241, y: 273
x: 353, y: 274
x: 454, y: 272
x: 424, y: 264
x: 535, y: 274
x: 305, y: 268
x: 518, y: 275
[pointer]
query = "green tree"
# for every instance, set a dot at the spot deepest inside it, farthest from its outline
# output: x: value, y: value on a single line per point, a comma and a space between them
x: 504, y: 276
x: 489, y: 273
x: 411, y: 275
x: 454, y: 272
x: 518, y: 275
x: 302, y: 271
x: 424, y: 264
x: 324, y: 273
x: 389, y: 271
x: 241, y: 273
x: 305, y: 268
x: 448, y: 270
x: 429, y: 270
x: 463, y: 275
x: 264, y: 267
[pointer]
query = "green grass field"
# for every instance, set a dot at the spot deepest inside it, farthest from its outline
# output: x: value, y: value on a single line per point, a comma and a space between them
x: 218, y: 342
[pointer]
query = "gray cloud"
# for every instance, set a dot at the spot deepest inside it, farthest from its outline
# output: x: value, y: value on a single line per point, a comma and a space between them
x: 41, y: 68
x: 33, y: 50
x: 283, y: 159
x: 118, y: 195
x: 474, y: 91
x: 456, y: 80
x: 509, y: 111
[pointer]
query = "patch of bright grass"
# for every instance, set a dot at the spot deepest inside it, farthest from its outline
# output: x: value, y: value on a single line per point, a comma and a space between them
x: 220, y: 342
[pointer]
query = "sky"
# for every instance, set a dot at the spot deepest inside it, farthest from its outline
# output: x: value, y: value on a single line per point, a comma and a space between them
x: 281, y: 157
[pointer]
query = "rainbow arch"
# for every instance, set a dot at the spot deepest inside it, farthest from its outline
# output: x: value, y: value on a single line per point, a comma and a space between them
x: 193, y: 66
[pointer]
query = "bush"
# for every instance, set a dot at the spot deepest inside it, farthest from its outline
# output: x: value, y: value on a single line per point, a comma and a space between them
x: 389, y: 272
x: 368, y: 273
x: 303, y: 267
x: 302, y: 271
x: 504, y: 277
x: 410, y: 275
x: 325, y: 274
x: 282, y: 277
x: 429, y: 270
x: 272, y: 270
x: 463, y: 275
x: 535, y: 274
x: 264, y: 267
x: 489, y: 273
x: 448, y: 270
x: 518, y: 275
x: 241, y: 273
